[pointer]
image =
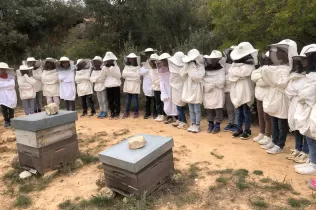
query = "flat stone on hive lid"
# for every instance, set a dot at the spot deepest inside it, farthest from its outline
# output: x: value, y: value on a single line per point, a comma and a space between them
x: 122, y: 157
x: 41, y: 121
x: 136, y: 142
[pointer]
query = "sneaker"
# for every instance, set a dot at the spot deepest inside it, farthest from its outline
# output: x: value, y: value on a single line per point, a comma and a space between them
x: 312, y: 184
x: 265, y: 140
x: 268, y: 146
x: 160, y: 118
x: 259, y: 137
x: 237, y: 134
x: 126, y: 115
x: 228, y: 127
x: 302, y: 165
x: 92, y: 114
x: 233, y: 129
x: 217, y: 128
x: 275, y: 150
x: 182, y: 125
x: 135, y: 115
x: 147, y: 117
x: 6, y: 124
x: 196, y: 129
x: 210, y: 127
x: 83, y: 114
x: 294, y: 153
x: 245, y: 135
x: 309, y: 169
x: 105, y: 115
x: 112, y: 116
x: 176, y: 124
x: 155, y: 116
x: 190, y: 129
x: 168, y: 121
x: 301, y: 158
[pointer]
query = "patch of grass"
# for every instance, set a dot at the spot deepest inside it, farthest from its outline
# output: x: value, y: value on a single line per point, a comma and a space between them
x: 296, y: 203
x: 217, y: 156
x: 26, y: 188
x: 12, y: 176
x: 43, y: 183
x: 266, y: 180
x: 87, y: 158
x: 278, y: 186
x: 100, y: 201
x: 225, y: 171
x: 258, y: 172
x: 193, y: 171
x: 213, y: 188
x: 223, y: 180
x: 295, y: 193
x: 242, y: 185
x: 66, y: 204
x: 242, y: 172
x: 187, y: 198
x: 22, y: 201
x: 260, y: 203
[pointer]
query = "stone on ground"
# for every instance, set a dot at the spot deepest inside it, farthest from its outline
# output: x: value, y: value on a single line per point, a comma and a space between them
x: 78, y: 163
x: 136, y: 142
x: 107, y: 193
x: 25, y: 174
x: 51, y: 109
x: 50, y: 174
x: 120, y: 132
x: 7, y: 136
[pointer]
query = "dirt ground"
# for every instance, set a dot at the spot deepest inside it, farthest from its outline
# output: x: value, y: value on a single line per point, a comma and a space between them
x: 189, y: 149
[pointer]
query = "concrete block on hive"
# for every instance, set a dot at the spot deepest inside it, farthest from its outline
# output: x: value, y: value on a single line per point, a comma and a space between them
x: 136, y: 142
x: 51, y: 109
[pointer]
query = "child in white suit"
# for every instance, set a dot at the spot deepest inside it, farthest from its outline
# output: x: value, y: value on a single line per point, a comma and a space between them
x: 50, y: 81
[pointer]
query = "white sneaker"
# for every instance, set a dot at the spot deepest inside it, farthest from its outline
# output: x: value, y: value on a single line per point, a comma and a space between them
x: 196, y: 129
x: 259, y: 137
x: 302, y: 165
x: 176, y: 123
x: 275, y: 150
x: 294, y: 153
x: 268, y: 146
x: 309, y: 169
x: 182, y: 125
x: 191, y: 128
x: 265, y: 140
x: 161, y: 118
x: 158, y: 117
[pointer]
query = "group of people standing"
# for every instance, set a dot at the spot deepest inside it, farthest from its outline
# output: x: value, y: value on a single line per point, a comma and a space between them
x: 282, y: 81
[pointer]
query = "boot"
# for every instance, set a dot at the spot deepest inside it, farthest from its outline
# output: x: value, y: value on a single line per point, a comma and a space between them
x: 217, y: 128
x: 210, y: 126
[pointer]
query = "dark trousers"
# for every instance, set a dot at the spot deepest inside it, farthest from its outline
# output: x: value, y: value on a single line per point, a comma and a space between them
x: 301, y: 143
x: 148, y: 106
x: 7, y: 113
x: 129, y: 98
x: 279, y: 131
x: 159, y: 103
x: 114, y: 98
x: 181, y: 115
x: 70, y: 105
x: 84, y: 100
x: 244, y: 117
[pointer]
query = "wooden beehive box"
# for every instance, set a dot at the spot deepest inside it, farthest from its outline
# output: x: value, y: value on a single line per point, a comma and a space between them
x: 135, y: 172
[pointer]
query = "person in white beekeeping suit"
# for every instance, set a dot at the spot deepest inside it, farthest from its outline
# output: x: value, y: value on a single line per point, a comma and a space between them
x: 261, y: 90
x: 231, y: 110
x: 242, y: 88
x: 276, y: 102
x: 50, y: 81
x: 298, y: 79
x: 8, y: 99
x: 193, y: 73
x: 146, y: 72
x: 176, y: 82
x: 213, y: 94
x: 164, y: 75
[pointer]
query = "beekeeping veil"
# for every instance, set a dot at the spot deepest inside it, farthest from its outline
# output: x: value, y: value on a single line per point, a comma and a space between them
x: 286, y: 45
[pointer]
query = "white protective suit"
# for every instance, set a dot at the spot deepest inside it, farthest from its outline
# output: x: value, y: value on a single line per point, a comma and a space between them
x: 155, y: 80
x: 98, y: 78
x: 169, y: 107
x: 50, y: 83
x: 261, y: 88
x: 113, y: 76
x: 26, y: 87
x: 213, y: 94
x: 242, y: 88
x: 145, y: 72
x: 193, y: 83
x: 132, y: 79
x: 37, y: 75
x: 67, y: 84
x: 176, y: 83
x: 227, y: 82
x: 84, y: 85
x: 7, y: 92
x: 276, y: 103
x: 296, y: 83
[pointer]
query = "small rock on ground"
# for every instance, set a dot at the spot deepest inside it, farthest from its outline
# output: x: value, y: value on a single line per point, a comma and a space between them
x: 25, y: 174
x: 50, y: 174
x: 107, y: 193
x: 78, y: 163
x: 120, y: 132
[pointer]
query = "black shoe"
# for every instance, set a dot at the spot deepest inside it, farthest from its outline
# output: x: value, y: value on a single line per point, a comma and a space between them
x: 237, y: 134
x: 92, y: 114
x: 146, y: 117
x: 246, y: 135
x: 83, y: 114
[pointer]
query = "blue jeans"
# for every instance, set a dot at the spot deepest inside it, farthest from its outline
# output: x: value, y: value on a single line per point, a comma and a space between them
x: 181, y: 116
x: 195, y: 113
x: 300, y: 142
x: 312, y: 149
x: 279, y: 131
x: 129, y: 98
x: 244, y: 117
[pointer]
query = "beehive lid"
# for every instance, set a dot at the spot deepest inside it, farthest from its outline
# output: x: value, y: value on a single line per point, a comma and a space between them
x: 122, y: 157
x: 41, y: 121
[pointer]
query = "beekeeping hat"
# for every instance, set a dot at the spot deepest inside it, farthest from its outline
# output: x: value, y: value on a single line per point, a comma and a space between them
x: 176, y: 59
x: 109, y: 56
x: 154, y: 57
x: 214, y: 55
x: 97, y: 58
x: 290, y: 46
x: 5, y: 66
x: 150, y: 50
x: 311, y: 49
x: 242, y: 50
x: 86, y: 61
x: 132, y: 55
x: 164, y: 56
x: 192, y: 55
x: 25, y: 68
x: 64, y: 59
x: 31, y: 59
